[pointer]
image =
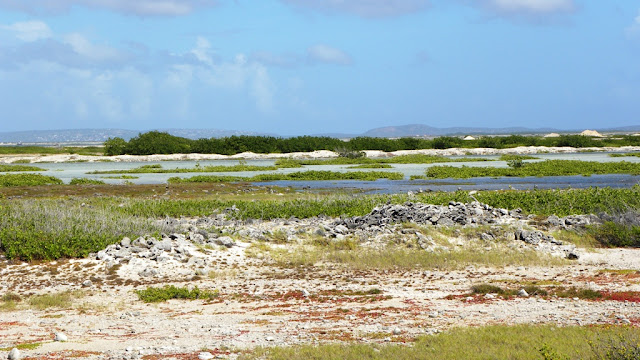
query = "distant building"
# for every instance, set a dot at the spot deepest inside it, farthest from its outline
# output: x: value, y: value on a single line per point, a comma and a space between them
x: 469, y: 137
x: 552, y: 135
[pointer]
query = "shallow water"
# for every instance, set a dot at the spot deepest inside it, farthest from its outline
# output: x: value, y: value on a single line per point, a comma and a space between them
x: 68, y: 171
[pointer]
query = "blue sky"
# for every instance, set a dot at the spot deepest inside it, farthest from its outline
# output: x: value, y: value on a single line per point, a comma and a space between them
x: 294, y: 67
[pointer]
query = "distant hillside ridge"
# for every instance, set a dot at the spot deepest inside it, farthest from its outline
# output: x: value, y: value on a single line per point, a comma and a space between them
x: 410, y: 130
x: 101, y: 135
x: 426, y: 130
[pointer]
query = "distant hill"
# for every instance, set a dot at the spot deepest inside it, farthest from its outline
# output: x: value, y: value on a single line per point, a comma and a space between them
x: 100, y: 135
x: 425, y: 130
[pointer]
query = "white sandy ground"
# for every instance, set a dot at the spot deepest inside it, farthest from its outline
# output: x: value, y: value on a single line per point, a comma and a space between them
x: 261, y: 305
x: 321, y: 154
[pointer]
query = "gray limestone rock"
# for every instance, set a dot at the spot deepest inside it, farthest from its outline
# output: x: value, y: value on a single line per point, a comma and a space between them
x: 225, y: 241
x: 148, y: 272
x: 14, y: 354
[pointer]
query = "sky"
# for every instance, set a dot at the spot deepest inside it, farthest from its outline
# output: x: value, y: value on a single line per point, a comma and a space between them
x: 296, y: 67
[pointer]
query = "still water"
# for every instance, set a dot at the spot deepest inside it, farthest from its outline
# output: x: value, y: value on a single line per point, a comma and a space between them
x: 68, y: 171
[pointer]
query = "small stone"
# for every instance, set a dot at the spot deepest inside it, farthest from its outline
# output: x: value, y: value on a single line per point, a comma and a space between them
x: 148, y: 272
x: 225, y: 241
x: 126, y: 242
x: 573, y: 255
x: 305, y: 293
x: 523, y: 293
x: 205, y: 355
x: 435, y: 314
x: 489, y: 296
x: 60, y: 337
x: 270, y: 338
x: 14, y: 354
x: 397, y: 331
x: 87, y: 283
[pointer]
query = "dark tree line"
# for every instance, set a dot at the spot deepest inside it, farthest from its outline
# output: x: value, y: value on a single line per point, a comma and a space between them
x: 155, y: 142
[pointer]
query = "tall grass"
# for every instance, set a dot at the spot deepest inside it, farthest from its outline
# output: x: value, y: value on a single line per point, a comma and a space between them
x: 522, y: 342
x: 52, y: 229
x: 396, y: 257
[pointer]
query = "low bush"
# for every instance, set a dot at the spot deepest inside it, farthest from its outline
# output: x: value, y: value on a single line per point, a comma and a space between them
x: 613, y: 234
x: 28, y: 180
x: 154, y: 294
x: 86, y: 181
x: 310, y: 175
x: 543, y: 168
x: 153, y: 169
x: 11, y: 168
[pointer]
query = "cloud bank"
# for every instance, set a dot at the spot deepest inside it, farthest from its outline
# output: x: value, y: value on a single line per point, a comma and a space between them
x: 131, y: 7
x: 528, y: 8
x: 363, y: 8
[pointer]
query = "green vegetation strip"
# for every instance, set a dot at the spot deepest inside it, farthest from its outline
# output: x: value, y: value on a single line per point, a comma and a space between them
x: 296, y: 176
x: 85, y: 181
x: 11, y: 168
x: 540, y: 202
x: 543, y: 168
x: 157, y: 169
x: 155, y: 142
x: 636, y: 154
x: 27, y: 180
x: 50, y: 150
x: 371, y: 166
x: 401, y: 159
x: 523, y: 342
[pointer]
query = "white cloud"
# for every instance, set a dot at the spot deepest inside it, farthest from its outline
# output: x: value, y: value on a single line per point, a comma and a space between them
x: 533, y: 6
x: 134, y: 7
x: 364, y: 8
x: 202, y: 51
x: 327, y: 54
x: 88, y: 50
x: 634, y: 28
x: 262, y: 89
x: 30, y: 30
x: 239, y: 75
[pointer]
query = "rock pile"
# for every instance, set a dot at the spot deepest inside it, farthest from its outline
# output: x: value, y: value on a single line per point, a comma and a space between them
x: 382, y: 220
x: 455, y: 213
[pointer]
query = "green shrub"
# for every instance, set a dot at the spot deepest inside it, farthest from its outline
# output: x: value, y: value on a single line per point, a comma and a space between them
x: 11, y: 168
x: 86, y: 181
x: 486, y: 289
x: 153, y: 294
x: 612, y: 234
x: 296, y: 176
x: 28, y: 180
x: 543, y: 168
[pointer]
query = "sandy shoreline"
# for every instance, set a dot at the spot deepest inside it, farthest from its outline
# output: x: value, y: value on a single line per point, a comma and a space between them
x: 320, y: 154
